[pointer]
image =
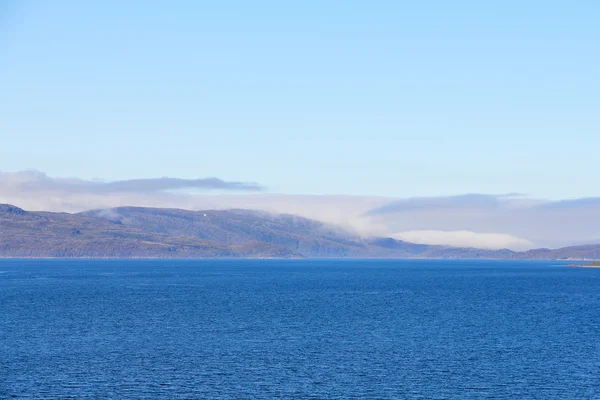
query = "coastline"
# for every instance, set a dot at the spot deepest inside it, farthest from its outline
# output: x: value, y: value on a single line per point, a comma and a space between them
x: 595, y: 264
x: 590, y: 263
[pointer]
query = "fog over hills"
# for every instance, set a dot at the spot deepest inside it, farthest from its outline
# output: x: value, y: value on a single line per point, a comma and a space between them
x: 166, y: 233
x: 487, y: 221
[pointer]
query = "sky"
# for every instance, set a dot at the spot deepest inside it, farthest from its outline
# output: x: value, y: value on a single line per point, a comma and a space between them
x: 365, y: 104
x: 386, y: 98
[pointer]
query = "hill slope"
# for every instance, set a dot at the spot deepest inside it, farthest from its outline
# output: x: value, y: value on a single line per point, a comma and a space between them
x: 234, y: 227
x: 153, y: 232
x: 43, y: 234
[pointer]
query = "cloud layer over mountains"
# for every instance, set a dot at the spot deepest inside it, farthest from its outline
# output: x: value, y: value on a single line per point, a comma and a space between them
x: 513, y: 220
x: 478, y: 220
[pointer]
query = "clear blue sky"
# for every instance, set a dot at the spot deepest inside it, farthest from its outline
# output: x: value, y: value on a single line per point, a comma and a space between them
x: 392, y: 98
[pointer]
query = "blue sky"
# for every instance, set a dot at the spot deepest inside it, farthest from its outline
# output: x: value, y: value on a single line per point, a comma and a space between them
x: 385, y: 98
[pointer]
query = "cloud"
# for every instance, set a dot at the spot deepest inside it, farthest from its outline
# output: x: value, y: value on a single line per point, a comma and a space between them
x: 521, y: 219
x: 466, y: 201
x: 466, y: 239
x: 34, y: 190
x: 541, y: 222
x: 35, y: 181
x: 572, y: 203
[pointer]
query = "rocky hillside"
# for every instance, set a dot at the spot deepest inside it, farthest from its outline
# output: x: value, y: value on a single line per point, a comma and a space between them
x: 172, y: 233
x: 43, y: 234
x: 235, y: 227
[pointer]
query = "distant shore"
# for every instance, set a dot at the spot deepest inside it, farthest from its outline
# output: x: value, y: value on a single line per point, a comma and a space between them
x: 580, y: 263
x: 595, y: 264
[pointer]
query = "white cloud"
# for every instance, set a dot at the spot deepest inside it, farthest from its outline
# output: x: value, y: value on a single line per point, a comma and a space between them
x: 35, y: 191
x: 465, y: 239
x: 544, y: 223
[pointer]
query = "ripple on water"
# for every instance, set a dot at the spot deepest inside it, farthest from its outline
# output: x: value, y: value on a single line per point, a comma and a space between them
x: 303, y: 329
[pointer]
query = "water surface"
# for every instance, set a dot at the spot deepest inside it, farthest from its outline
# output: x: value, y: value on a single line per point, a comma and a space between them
x: 221, y: 329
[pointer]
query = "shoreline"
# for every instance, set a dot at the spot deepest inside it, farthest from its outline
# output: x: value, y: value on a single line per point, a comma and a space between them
x: 589, y: 265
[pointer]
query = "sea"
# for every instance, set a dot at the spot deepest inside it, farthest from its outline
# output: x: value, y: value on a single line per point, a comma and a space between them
x: 298, y: 329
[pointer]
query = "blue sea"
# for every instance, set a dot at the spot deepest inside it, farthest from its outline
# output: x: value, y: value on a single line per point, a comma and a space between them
x: 298, y: 329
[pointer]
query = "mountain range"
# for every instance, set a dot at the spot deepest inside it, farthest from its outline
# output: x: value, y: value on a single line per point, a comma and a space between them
x: 126, y: 232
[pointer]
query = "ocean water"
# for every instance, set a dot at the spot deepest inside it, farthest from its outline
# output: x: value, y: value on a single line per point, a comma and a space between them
x: 322, y: 329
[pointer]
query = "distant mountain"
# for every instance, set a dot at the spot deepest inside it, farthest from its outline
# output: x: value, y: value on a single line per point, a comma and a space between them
x: 586, y: 252
x: 234, y: 227
x: 173, y: 233
x: 44, y: 234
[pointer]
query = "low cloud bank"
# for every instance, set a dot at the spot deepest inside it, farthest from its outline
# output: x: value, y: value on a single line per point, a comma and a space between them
x: 36, y: 191
x: 538, y: 222
x: 461, y: 202
x: 492, y: 241
x: 477, y: 220
x: 33, y: 182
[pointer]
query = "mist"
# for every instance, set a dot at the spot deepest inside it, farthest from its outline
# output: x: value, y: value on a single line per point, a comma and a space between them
x: 489, y: 221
